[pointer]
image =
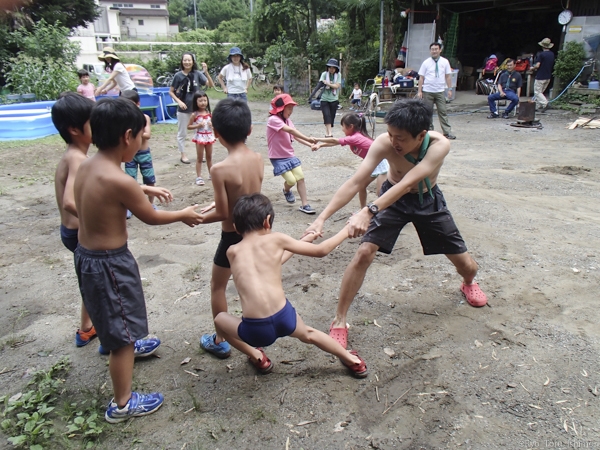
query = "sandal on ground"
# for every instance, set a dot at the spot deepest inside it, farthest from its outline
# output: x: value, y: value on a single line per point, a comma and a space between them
x: 184, y: 161
x: 199, y: 181
x: 474, y: 295
x: 340, y: 335
x: 264, y: 364
x: 358, y: 370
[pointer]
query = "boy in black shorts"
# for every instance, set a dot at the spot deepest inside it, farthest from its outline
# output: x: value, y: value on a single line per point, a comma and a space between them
x: 71, y: 117
x: 107, y: 272
x: 410, y: 194
x: 241, y: 173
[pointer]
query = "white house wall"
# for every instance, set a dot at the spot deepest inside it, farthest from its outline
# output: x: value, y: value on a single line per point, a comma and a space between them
x: 152, y: 27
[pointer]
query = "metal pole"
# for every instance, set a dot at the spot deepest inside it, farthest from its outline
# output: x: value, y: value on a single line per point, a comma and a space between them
x: 381, y: 38
x: 195, y: 16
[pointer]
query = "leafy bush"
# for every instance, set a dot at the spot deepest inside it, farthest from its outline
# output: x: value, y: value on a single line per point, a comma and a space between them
x: 569, y: 61
x: 46, y: 78
x: 46, y: 41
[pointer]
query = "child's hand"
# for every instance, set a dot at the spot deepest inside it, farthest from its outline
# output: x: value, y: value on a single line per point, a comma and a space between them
x: 311, y: 236
x: 163, y: 194
x: 190, y: 217
x: 208, y: 208
x: 204, y: 67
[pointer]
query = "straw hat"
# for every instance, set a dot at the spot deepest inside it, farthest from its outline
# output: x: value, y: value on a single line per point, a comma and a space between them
x: 279, y: 103
x: 546, y: 43
x: 108, y: 52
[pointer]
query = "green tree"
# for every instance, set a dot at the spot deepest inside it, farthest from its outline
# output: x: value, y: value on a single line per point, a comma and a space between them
x: 46, y: 41
x: 68, y: 13
x: 215, y: 12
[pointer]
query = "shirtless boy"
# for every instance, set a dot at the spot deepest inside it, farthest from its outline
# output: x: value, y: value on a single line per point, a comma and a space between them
x: 410, y: 194
x: 107, y: 272
x: 241, y: 173
x: 266, y: 313
x: 71, y: 117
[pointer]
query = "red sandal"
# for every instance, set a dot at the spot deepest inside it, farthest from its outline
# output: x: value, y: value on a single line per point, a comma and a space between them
x: 358, y: 370
x: 264, y: 364
x: 339, y: 335
x: 474, y: 295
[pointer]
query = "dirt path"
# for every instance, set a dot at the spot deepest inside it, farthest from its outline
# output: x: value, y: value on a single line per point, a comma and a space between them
x: 522, y: 373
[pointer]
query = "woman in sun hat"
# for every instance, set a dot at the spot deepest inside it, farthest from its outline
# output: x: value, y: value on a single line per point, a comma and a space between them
x: 332, y: 79
x: 118, y: 73
x: 237, y: 75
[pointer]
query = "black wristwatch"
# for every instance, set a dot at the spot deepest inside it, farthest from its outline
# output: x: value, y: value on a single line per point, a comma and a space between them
x: 373, y: 208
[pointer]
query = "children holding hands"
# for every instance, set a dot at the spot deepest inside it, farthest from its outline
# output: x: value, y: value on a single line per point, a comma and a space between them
x: 266, y: 313
x: 356, y: 136
x: 280, y: 135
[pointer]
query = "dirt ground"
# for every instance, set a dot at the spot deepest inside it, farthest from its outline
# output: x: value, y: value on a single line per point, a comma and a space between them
x: 520, y: 373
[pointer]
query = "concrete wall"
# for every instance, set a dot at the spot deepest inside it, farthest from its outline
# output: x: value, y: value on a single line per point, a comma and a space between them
x: 582, y: 27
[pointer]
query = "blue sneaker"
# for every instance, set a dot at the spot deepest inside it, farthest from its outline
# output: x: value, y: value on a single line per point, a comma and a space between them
x: 83, y: 338
x: 289, y: 196
x: 138, y: 405
x: 306, y: 209
x: 141, y: 349
x: 207, y: 343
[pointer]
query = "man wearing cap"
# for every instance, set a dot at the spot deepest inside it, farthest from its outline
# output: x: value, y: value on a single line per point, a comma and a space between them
x: 435, y: 76
x: 544, y: 66
x: 330, y: 98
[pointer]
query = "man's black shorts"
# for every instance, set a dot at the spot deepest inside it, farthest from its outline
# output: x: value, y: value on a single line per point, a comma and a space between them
x: 111, y: 287
x: 228, y: 238
x: 432, y: 220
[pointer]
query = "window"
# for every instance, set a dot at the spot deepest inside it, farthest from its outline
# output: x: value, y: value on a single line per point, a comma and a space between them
x: 128, y: 5
x: 117, y: 5
x: 155, y: 6
x: 140, y: 22
x: 123, y: 22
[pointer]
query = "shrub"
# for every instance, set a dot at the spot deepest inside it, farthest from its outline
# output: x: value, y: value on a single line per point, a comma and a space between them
x: 45, y: 78
x: 569, y: 61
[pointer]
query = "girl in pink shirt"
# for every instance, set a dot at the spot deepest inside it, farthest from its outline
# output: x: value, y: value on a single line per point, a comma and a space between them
x: 280, y: 130
x: 355, y: 129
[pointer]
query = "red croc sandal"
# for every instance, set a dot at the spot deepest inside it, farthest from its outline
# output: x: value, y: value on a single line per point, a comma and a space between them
x: 474, y: 295
x: 358, y: 370
x: 264, y: 364
x: 339, y: 335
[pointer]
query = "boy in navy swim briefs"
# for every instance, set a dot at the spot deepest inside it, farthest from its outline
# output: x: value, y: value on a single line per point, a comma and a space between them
x: 256, y: 266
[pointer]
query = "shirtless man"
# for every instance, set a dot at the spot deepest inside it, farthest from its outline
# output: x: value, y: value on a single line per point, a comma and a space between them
x: 410, y: 194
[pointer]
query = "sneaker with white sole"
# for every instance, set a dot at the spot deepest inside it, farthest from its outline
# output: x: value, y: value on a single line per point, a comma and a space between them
x: 141, y: 349
x: 221, y: 350
x: 289, y: 196
x: 138, y: 405
x: 306, y: 209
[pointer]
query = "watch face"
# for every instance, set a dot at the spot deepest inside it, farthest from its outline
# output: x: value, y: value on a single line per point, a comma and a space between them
x: 565, y: 17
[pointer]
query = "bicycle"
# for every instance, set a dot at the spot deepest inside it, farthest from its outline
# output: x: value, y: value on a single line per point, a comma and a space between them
x: 262, y: 78
x: 214, y: 73
x: 165, y: 80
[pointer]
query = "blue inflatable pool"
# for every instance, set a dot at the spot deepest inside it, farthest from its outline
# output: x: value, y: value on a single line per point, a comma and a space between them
x: 26, y: 121
x: 20, y: 121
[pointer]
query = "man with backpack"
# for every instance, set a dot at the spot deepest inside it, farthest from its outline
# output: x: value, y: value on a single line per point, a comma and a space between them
x: 509, y: 88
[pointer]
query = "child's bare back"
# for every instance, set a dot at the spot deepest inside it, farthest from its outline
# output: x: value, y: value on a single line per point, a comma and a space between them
x: 64, y: 180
